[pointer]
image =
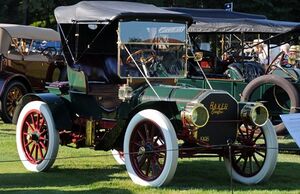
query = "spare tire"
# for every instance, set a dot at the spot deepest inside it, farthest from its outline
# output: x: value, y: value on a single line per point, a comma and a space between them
x: 284, y: 84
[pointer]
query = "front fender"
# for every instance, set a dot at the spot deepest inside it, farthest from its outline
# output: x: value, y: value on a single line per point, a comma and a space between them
x: 168, y: 108
x: 58, y: 107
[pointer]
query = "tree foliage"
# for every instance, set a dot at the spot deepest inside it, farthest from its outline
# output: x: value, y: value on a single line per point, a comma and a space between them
x: 40, y: 12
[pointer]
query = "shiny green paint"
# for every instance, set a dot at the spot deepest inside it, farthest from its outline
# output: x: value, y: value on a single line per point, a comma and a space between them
x: 181, y: 95
x: 234, y: 87
x: 77, y: 80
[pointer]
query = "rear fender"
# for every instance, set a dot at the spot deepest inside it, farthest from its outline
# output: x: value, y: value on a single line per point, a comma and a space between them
x: 6, y: 77
x: 58, y: 107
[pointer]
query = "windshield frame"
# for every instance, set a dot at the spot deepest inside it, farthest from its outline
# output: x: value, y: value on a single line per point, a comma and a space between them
x: 182, y: 46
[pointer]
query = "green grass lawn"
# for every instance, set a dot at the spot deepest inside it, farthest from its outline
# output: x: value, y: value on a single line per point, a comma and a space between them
x: 87, y: 171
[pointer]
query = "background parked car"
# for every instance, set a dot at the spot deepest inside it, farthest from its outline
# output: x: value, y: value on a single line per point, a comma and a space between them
x: 30, y: 57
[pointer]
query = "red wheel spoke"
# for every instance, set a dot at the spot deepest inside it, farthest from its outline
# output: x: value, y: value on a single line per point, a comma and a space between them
x: 31, y: 151
x: 36, y: 152
x: 241, y: 133
x: 41, y: 124
x: 36, y: 123
x: 161, y: 148
x: 43, y: 138
x: 45, y: 130
x: 43, y: 146
x: 28, y: 143
x: 247, y: 131
x: 146, y: 128
x: 147, y: 167
x: 41, y: 152
x: 141, y: 136
x: 29, y: 125
x: 160, y: 155
x: 32, y: 120
x: 252, y: 133
x: 142, y: 160
x: 158, y: 164
x: 154, y: 168
x: 152, y: 133
x: 137, y: 144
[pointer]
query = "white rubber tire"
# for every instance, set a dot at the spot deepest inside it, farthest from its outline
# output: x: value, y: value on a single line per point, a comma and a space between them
x: 53, y: 142
x: 120, y: 159
x: 270, y: 161
x: 171, y: 143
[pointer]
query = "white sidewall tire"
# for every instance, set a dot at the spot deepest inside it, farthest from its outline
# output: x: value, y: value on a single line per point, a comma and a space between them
x: 53, y: 143
x: 118, y: 158
x: 171, y: 145
x: 270, y: 161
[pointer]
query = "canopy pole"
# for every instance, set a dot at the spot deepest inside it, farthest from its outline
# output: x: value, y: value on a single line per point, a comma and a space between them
x: 76, y: 40
x: 66, y: 41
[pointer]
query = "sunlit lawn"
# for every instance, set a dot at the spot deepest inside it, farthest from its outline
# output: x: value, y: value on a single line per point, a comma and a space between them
x: 88, y: 171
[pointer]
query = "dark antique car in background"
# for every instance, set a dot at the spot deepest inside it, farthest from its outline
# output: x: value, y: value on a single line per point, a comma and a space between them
x: 124, y: 61
x: 29, y: 57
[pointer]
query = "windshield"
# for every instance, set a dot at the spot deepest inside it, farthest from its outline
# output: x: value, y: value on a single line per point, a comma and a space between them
x: 152, y: 49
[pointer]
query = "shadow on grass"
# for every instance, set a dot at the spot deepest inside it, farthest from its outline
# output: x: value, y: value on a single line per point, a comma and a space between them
x: 102, y: 190
x: 205, y: 175
x: 59, y: 177
x: 212, y: 175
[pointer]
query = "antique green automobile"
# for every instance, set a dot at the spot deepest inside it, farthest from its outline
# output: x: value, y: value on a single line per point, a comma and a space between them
x: 124, y: 60
x: 229, y: 43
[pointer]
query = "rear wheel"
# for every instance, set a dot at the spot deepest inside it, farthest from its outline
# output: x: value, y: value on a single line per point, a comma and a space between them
x: 254, y: 155
x: 36, y: 137
x: 12, y: 93
x: 152, y: 148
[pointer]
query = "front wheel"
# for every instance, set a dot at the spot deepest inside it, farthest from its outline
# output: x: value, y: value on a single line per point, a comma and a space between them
x: 36, y: 137
x: 151, y: 149
x: 254, y: 155
x: 118, y: 156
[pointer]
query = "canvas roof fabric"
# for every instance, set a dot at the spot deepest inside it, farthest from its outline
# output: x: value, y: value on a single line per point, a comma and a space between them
x: 30, y: 32
x: 221, y: 21
x: 111, y: 10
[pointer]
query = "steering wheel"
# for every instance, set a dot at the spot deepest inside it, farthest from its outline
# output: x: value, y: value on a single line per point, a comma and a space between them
x: 50, y: 51
x: 143, y: 56
x: 276, y: 63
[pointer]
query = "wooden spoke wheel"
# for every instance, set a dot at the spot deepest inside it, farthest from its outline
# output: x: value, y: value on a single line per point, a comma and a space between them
x: 152, y: 148
x: 254, y: 154
x: 37, y: 139
x: 13, y: 92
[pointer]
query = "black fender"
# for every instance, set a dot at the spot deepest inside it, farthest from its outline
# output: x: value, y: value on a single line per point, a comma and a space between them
x: 168, y: 108
x: 6, y: 77
x: 59, y: 108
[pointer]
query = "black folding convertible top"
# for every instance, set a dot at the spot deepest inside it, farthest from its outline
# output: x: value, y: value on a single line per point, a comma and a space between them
x: 112, y: 10
x: 217, y: 20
